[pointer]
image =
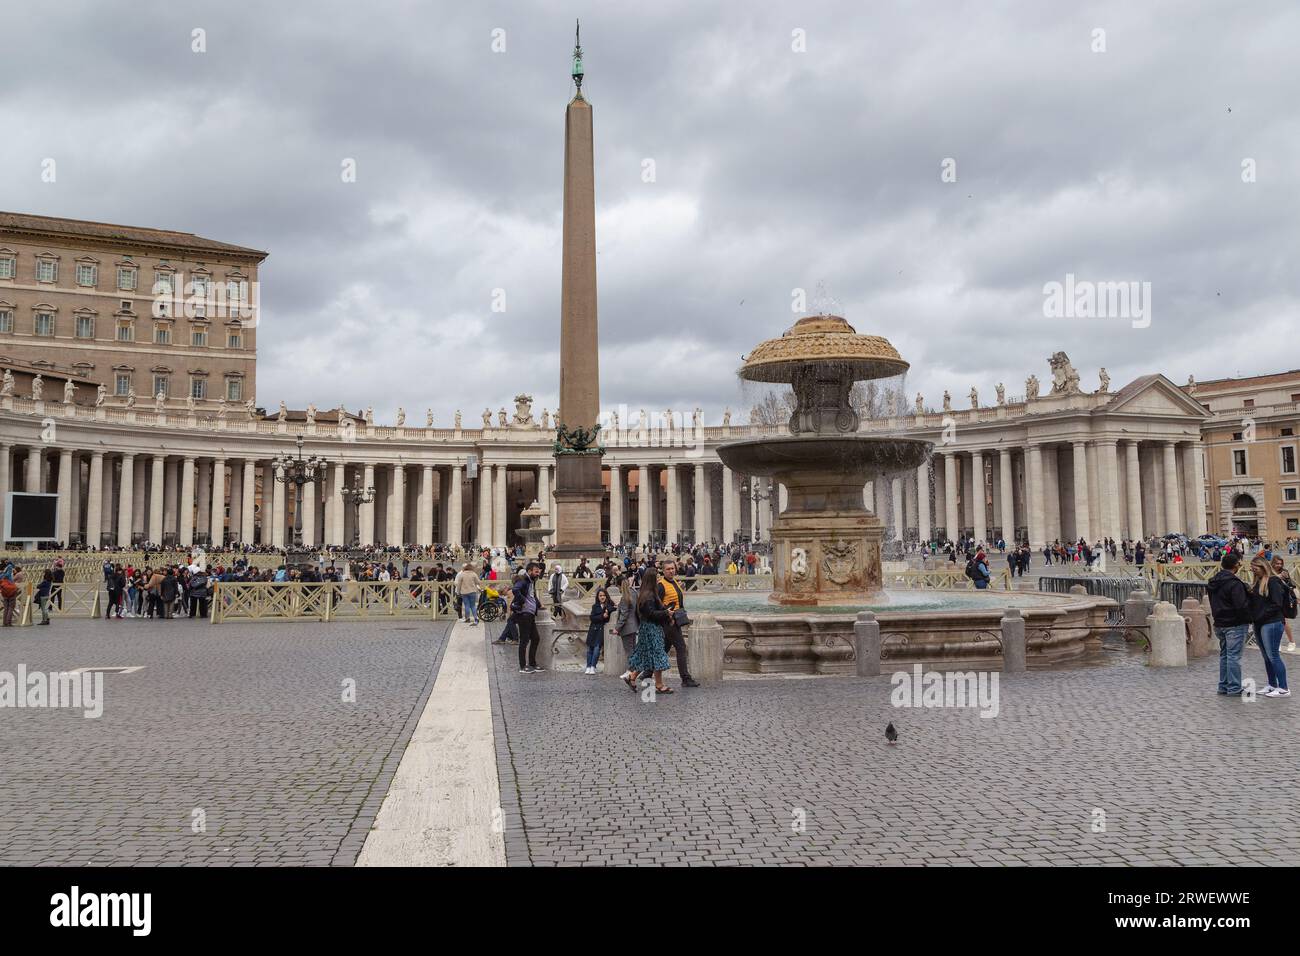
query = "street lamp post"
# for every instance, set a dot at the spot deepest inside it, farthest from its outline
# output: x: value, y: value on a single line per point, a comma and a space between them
x: 357, y: 496
x: 297, y: 471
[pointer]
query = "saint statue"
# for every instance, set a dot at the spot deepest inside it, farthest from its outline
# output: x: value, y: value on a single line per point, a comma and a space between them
x: 546, y: 419
x: 370, y: 414
x: 130, y: 396
x: 726, y: 417
x: 501, y: 418
x: 311, y: 414
x: 159, y: 400
x: 401, y: 416
x: 920, y: 404
x: 1104, y: 378
x: 69, y: 391
x: 428, y: 418
x: 1002, y: 394
x: 697, y: 419
x: 487, y: 418
x: 100, y: 394
x: 189, y: 401
x: 1031, y: 387
x: 7, y: 388
x: 38, y: 387
x: 457, y: 419
x: 250, y: 408
x: 284, y: 413
x: 974, y: 398
x: 947, y: 401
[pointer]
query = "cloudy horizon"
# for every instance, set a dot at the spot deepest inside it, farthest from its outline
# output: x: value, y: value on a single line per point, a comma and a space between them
x: 793, y: 145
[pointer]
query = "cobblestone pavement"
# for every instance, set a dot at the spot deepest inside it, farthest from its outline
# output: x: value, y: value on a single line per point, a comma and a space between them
x: 590, y: 774
x: 244, y: 722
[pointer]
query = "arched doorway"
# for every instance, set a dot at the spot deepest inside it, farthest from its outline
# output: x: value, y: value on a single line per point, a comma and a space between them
x: 1245, y: 515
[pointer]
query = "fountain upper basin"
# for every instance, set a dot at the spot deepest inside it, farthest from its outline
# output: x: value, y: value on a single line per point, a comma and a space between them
x: 850, y: 458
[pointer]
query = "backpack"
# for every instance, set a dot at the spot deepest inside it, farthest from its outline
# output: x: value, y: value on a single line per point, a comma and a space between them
x: 971, y: 571
x: 8, y: 589
x: 1288, y: 600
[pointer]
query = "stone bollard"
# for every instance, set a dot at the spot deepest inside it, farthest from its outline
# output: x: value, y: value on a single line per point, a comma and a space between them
x: 866, y: 644
x: 1198, y: 627
x: 1013, y: 641
x: 1137, y: 608
x: 1079, y: 589
x: 614, y: 657
x: 546, y: 635
x: 1168, y: 637
x: 704, y: 648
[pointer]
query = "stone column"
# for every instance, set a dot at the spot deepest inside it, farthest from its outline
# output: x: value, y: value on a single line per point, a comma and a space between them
x: 32, y: 477
x: 483, y: 520
x: 643, y: 508
x: 500, y: 506
x: 1194, y: 476
x: 923, y: 501
x: 424, y: 522
x: 1006, y: 494
x: 1096, y: 518
x: 94, y: 499
x: 278, y: 511
x: 139, y: 508
x: 455, y: 507
x: 106, y: 501
x: 1173, y: 508
x: 615, y: 504
x: 203, y: 497
x: 896, y: 487
x: 1082, y: 519
x: 1108, y: 488
x: 368, y: 509
x: 702, y: 515
x: 6, y: 453
x: 1051, y: 494
x: 157, y: 478
x: 396, y: 532
x: 247, y: 499
x: 1134, y: 481
x: 217, y: 503
x: 544, y: 498
x: 125, y: 502
x: 910, y: 517
x: 950, y: 495
x: 1035, y: 519
x: 730, y: 502
x: 64, y: 509
x: 978, y: 500
x: 185, y: 528
x: 310, y: 501
x: 673, y: 520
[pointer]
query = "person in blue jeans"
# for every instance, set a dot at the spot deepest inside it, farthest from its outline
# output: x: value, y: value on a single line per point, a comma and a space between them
x: 601, y: 609
x: 1230, y: 608
x: 1267, y: 599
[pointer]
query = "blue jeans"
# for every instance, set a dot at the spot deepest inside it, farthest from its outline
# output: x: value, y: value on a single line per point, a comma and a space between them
x: 1231, y: 641
x: 1269, y: 637
x: 595, y: 644
x: 469, y: 606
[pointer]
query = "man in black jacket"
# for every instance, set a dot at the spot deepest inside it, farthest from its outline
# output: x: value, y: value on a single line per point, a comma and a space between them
x: 523, y: 614
x: 1230, y: 606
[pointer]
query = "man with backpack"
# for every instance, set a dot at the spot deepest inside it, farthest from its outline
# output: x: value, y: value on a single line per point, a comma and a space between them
x: 977, y: 570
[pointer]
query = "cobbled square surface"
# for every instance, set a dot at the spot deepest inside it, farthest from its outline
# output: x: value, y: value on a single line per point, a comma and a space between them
x: 244, y: 722
x: 723, y: 775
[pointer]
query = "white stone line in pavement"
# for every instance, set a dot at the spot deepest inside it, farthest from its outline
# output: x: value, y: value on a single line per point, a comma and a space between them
x: 442, y: 807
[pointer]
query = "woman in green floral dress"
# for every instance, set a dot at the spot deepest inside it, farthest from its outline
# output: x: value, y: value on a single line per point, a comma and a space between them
x: 649, y: 655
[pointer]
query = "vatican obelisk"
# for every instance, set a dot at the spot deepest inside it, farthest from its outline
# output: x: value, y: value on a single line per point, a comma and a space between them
x: 578, y: 486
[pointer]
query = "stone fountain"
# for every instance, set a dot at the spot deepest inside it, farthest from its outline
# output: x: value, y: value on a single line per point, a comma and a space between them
x: 533, y: 530
x: 826, y: 543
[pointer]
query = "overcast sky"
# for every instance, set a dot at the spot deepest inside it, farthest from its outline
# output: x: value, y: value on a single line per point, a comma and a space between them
x: 775, y: 169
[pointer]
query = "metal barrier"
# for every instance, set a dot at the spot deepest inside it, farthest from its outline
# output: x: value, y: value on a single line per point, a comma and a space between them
x: 331, y: 601
x: 1116, y: 588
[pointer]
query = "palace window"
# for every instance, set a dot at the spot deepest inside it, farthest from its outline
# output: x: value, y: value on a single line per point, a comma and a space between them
x: 234, y: 341
x: 1288, y: 432
x: 47, y: 270
x: 162, y: 283
x: 198, y: 387
x: 162, y: 334
x: 87, y: 274
x: 1288, y: 459
x: 44, y: 323
x: 1291, y: 494
x: 162, y: 383
x: 199, y: 338
x: 6, y: 321
x: 127, y: 277
x: 126, y: 331
x: 234, y: 390
x: 85, y: 326
x: 121, y: 383
x: 199, y: 286
x: 8, y: 267
x: 1239, y: 461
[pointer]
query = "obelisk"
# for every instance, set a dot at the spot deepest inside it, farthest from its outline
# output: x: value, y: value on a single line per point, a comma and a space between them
x: 578, y: 486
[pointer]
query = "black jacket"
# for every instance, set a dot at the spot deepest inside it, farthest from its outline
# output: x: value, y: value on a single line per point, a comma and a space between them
x: 1266, y: 610
x: 653, y: 610
x: 1229, y: 600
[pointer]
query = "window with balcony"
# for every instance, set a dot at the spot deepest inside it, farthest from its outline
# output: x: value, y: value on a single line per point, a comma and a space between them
x: 44, y: 323
x: 87, y: 274
x: 121, y: 383
x: 47, y: 270
x: 85, y: 326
